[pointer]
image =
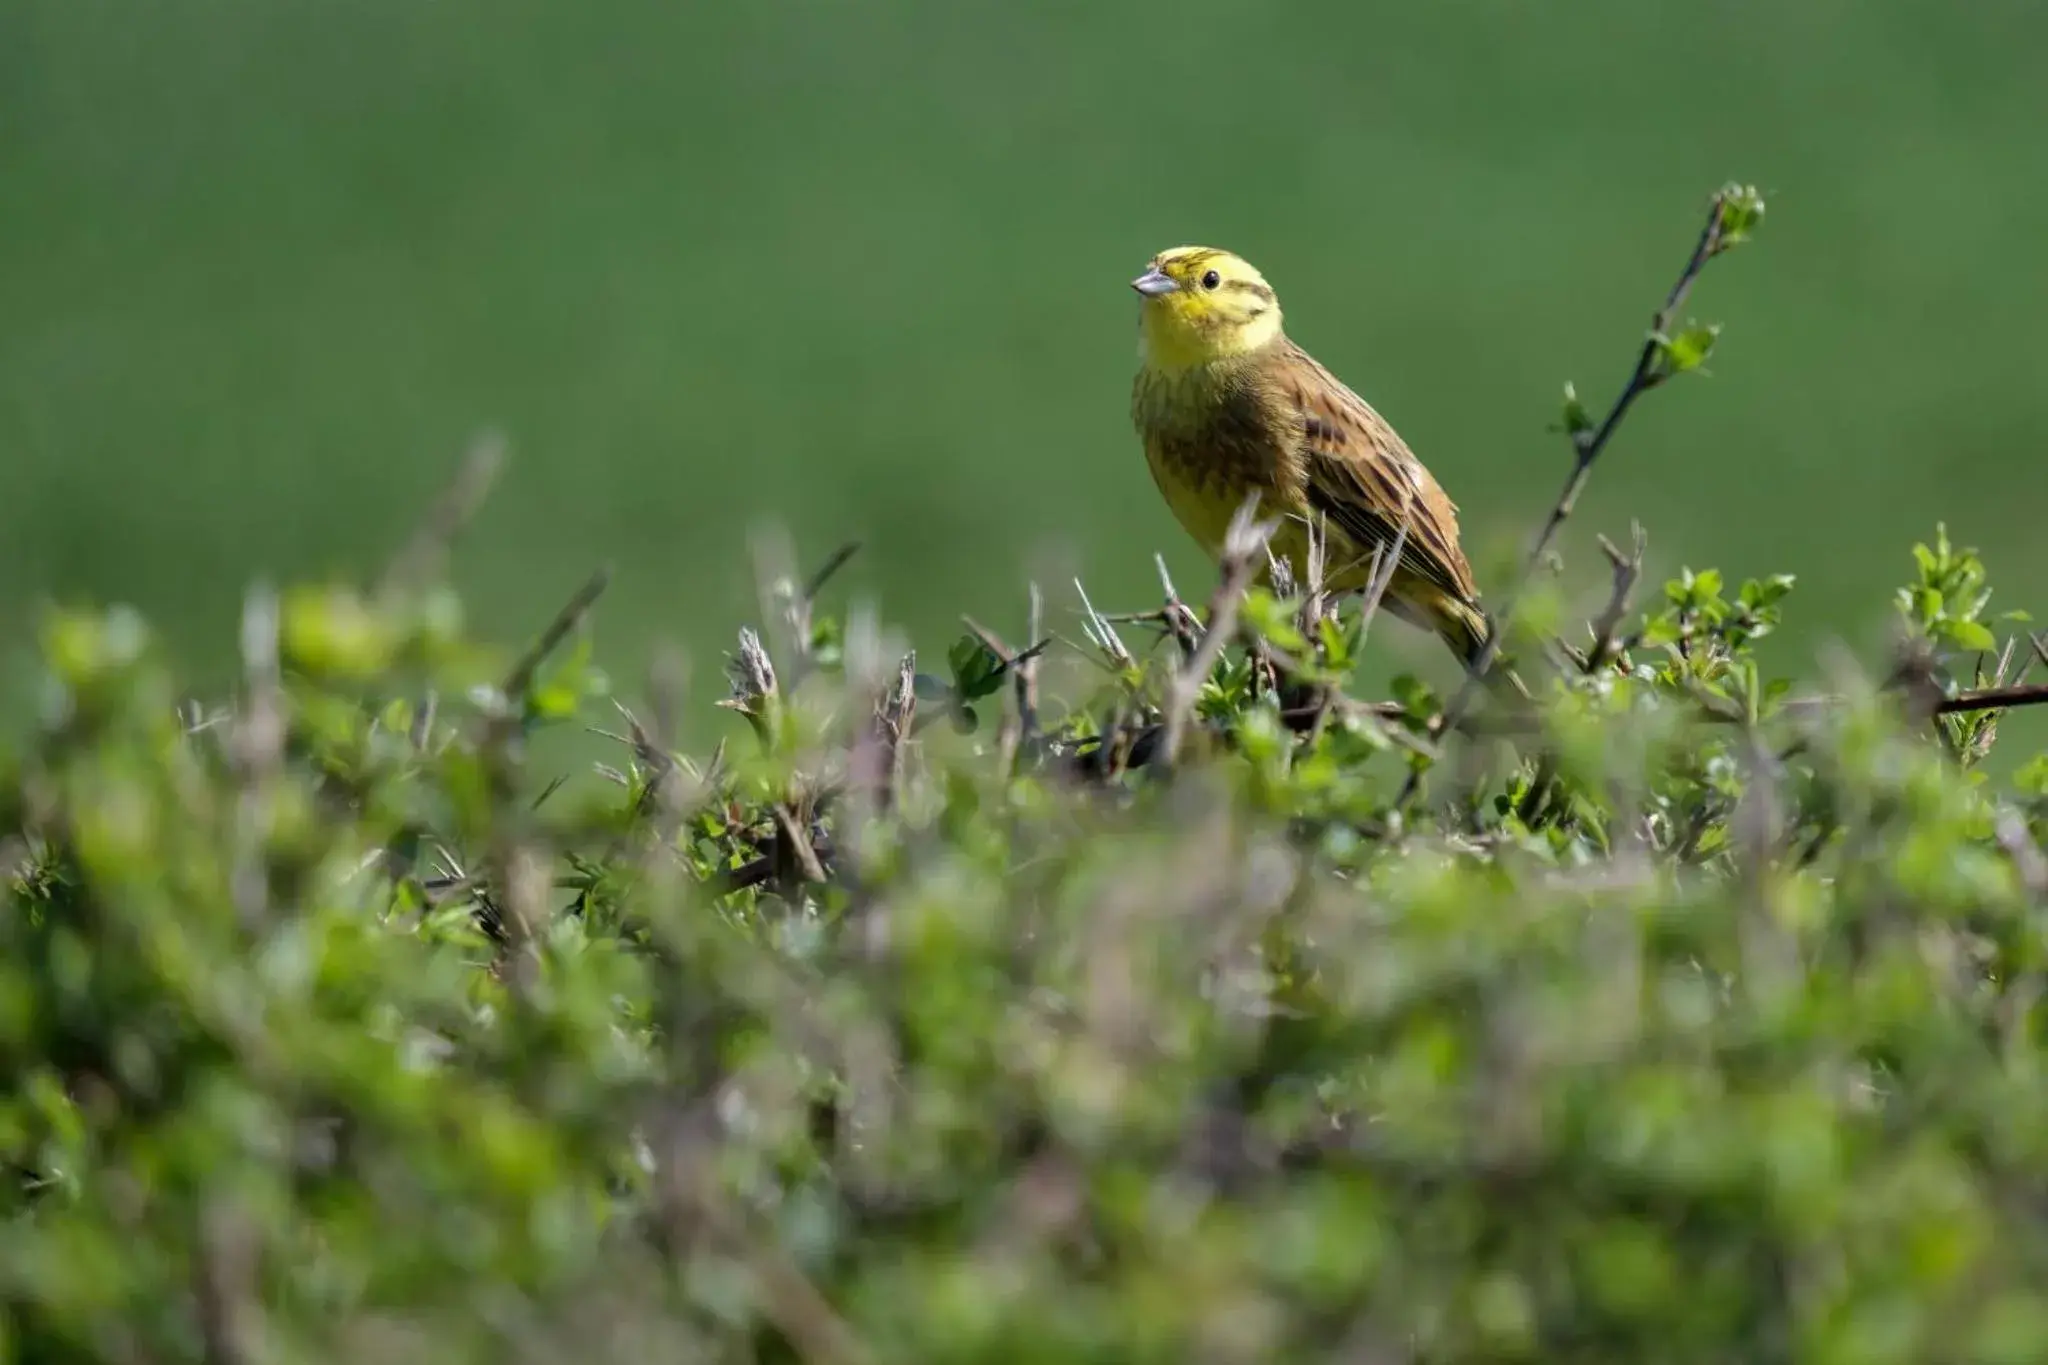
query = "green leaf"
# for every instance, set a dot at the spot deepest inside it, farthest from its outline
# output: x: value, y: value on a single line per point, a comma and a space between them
x: 1969, y: 635
x: 976, y: 669
x: 1577, y: 423
x: 1742, y: 213
x: 1272, y: 620
x: 1690, y: 348
x: 560, y: 687
x: 1759, y: 594
x: 1418, y: 700
x: 332, y: 632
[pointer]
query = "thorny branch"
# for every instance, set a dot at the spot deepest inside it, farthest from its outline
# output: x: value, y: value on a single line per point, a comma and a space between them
x: 1243, y: 544
x: 1992, y: 699
x: 1628, y: 568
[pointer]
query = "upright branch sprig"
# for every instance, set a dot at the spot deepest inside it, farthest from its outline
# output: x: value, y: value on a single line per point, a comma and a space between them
x: 787, y: 605
x: 425, y: 555
x: 1244, y: 547
x: 1027, y: 679
x: 1174, y: 616
x: 257, y: 743
x: 1732, y: 216
x: 1628, y: 568
x: 1020, y: 732
x: 755, y: 690
x: 1102, y: 634
x: 564, y: 624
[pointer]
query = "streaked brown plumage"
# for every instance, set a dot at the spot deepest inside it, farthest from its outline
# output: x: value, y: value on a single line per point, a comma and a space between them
x: 1226, y: 404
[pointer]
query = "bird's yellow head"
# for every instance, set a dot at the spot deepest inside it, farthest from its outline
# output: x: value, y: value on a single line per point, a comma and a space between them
x: 1203, y: 305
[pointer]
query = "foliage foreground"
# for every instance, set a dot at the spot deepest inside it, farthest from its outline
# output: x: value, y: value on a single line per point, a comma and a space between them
x: 1198, y: 1011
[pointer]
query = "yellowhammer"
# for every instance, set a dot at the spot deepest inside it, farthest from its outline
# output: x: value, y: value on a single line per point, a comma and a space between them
x: 1227, y: 405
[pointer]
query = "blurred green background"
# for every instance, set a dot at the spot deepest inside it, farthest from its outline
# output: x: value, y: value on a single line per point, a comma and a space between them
x: 266, y: 268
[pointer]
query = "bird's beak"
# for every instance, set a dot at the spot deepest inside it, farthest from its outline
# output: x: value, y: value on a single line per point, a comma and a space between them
x: 1155, y: 282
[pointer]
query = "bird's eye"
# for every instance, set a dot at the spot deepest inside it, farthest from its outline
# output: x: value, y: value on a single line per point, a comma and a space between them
x: 1210, y: 279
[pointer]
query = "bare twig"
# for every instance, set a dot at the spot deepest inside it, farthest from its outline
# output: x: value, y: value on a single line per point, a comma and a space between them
x: 1006, y: 658
x: 1542, y: 788
x: 2026, y: 855
x: 1101, y: 633
x: 796, y: 855
x: 566, y: 621
x: 1010, y: 738
x: 758, y: 871
x: 1385, y: 559
x: 1378, y: 575
x: 1315, y: 598
x: 1992, y: 699
x: 670, y: 783
x: 1175, y: 616
x: 834, y: 562
x: 1243, y: 543
x: 423, y: 556
x: 1027, y: 677
x: 878, y: 758
x: 521, y: 880
x: 512, y: 906
x: 258, y: 742
x: 786, y: 605
x: 1718, y: 711
x: 1628, y: 568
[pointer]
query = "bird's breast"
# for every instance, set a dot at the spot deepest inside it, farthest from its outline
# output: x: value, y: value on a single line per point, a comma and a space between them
x: 1210, y: 444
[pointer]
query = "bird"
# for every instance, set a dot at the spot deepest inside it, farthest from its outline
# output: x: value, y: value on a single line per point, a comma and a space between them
x: 1226, y: 405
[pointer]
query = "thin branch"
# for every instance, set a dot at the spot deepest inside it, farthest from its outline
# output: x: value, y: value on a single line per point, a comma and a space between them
x: 796, y: 854
x: 566, y: 620
x: 1010, y: 738
x: 1242, y: 544
x: 1384, y: 561
x: 1628, y: 568
x: 1992, y: 699
x: 876, y: 763
x: 423, y: 555
x: 1027, y: 677
x: 1652, y: 367
x: 2026, y: 855
x: 1718, y: 711
x: 758, y: 871
x: 257, y: 744
x: 1175, y: 617
x: 834, y: 562
x: 1006, y: 658
x: 1101, y: 633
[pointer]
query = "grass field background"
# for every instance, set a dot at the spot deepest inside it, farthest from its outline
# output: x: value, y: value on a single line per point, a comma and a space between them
x: 266, y: 268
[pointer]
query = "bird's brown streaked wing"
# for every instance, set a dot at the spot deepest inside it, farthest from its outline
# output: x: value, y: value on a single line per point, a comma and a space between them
x: 1360, y: 475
